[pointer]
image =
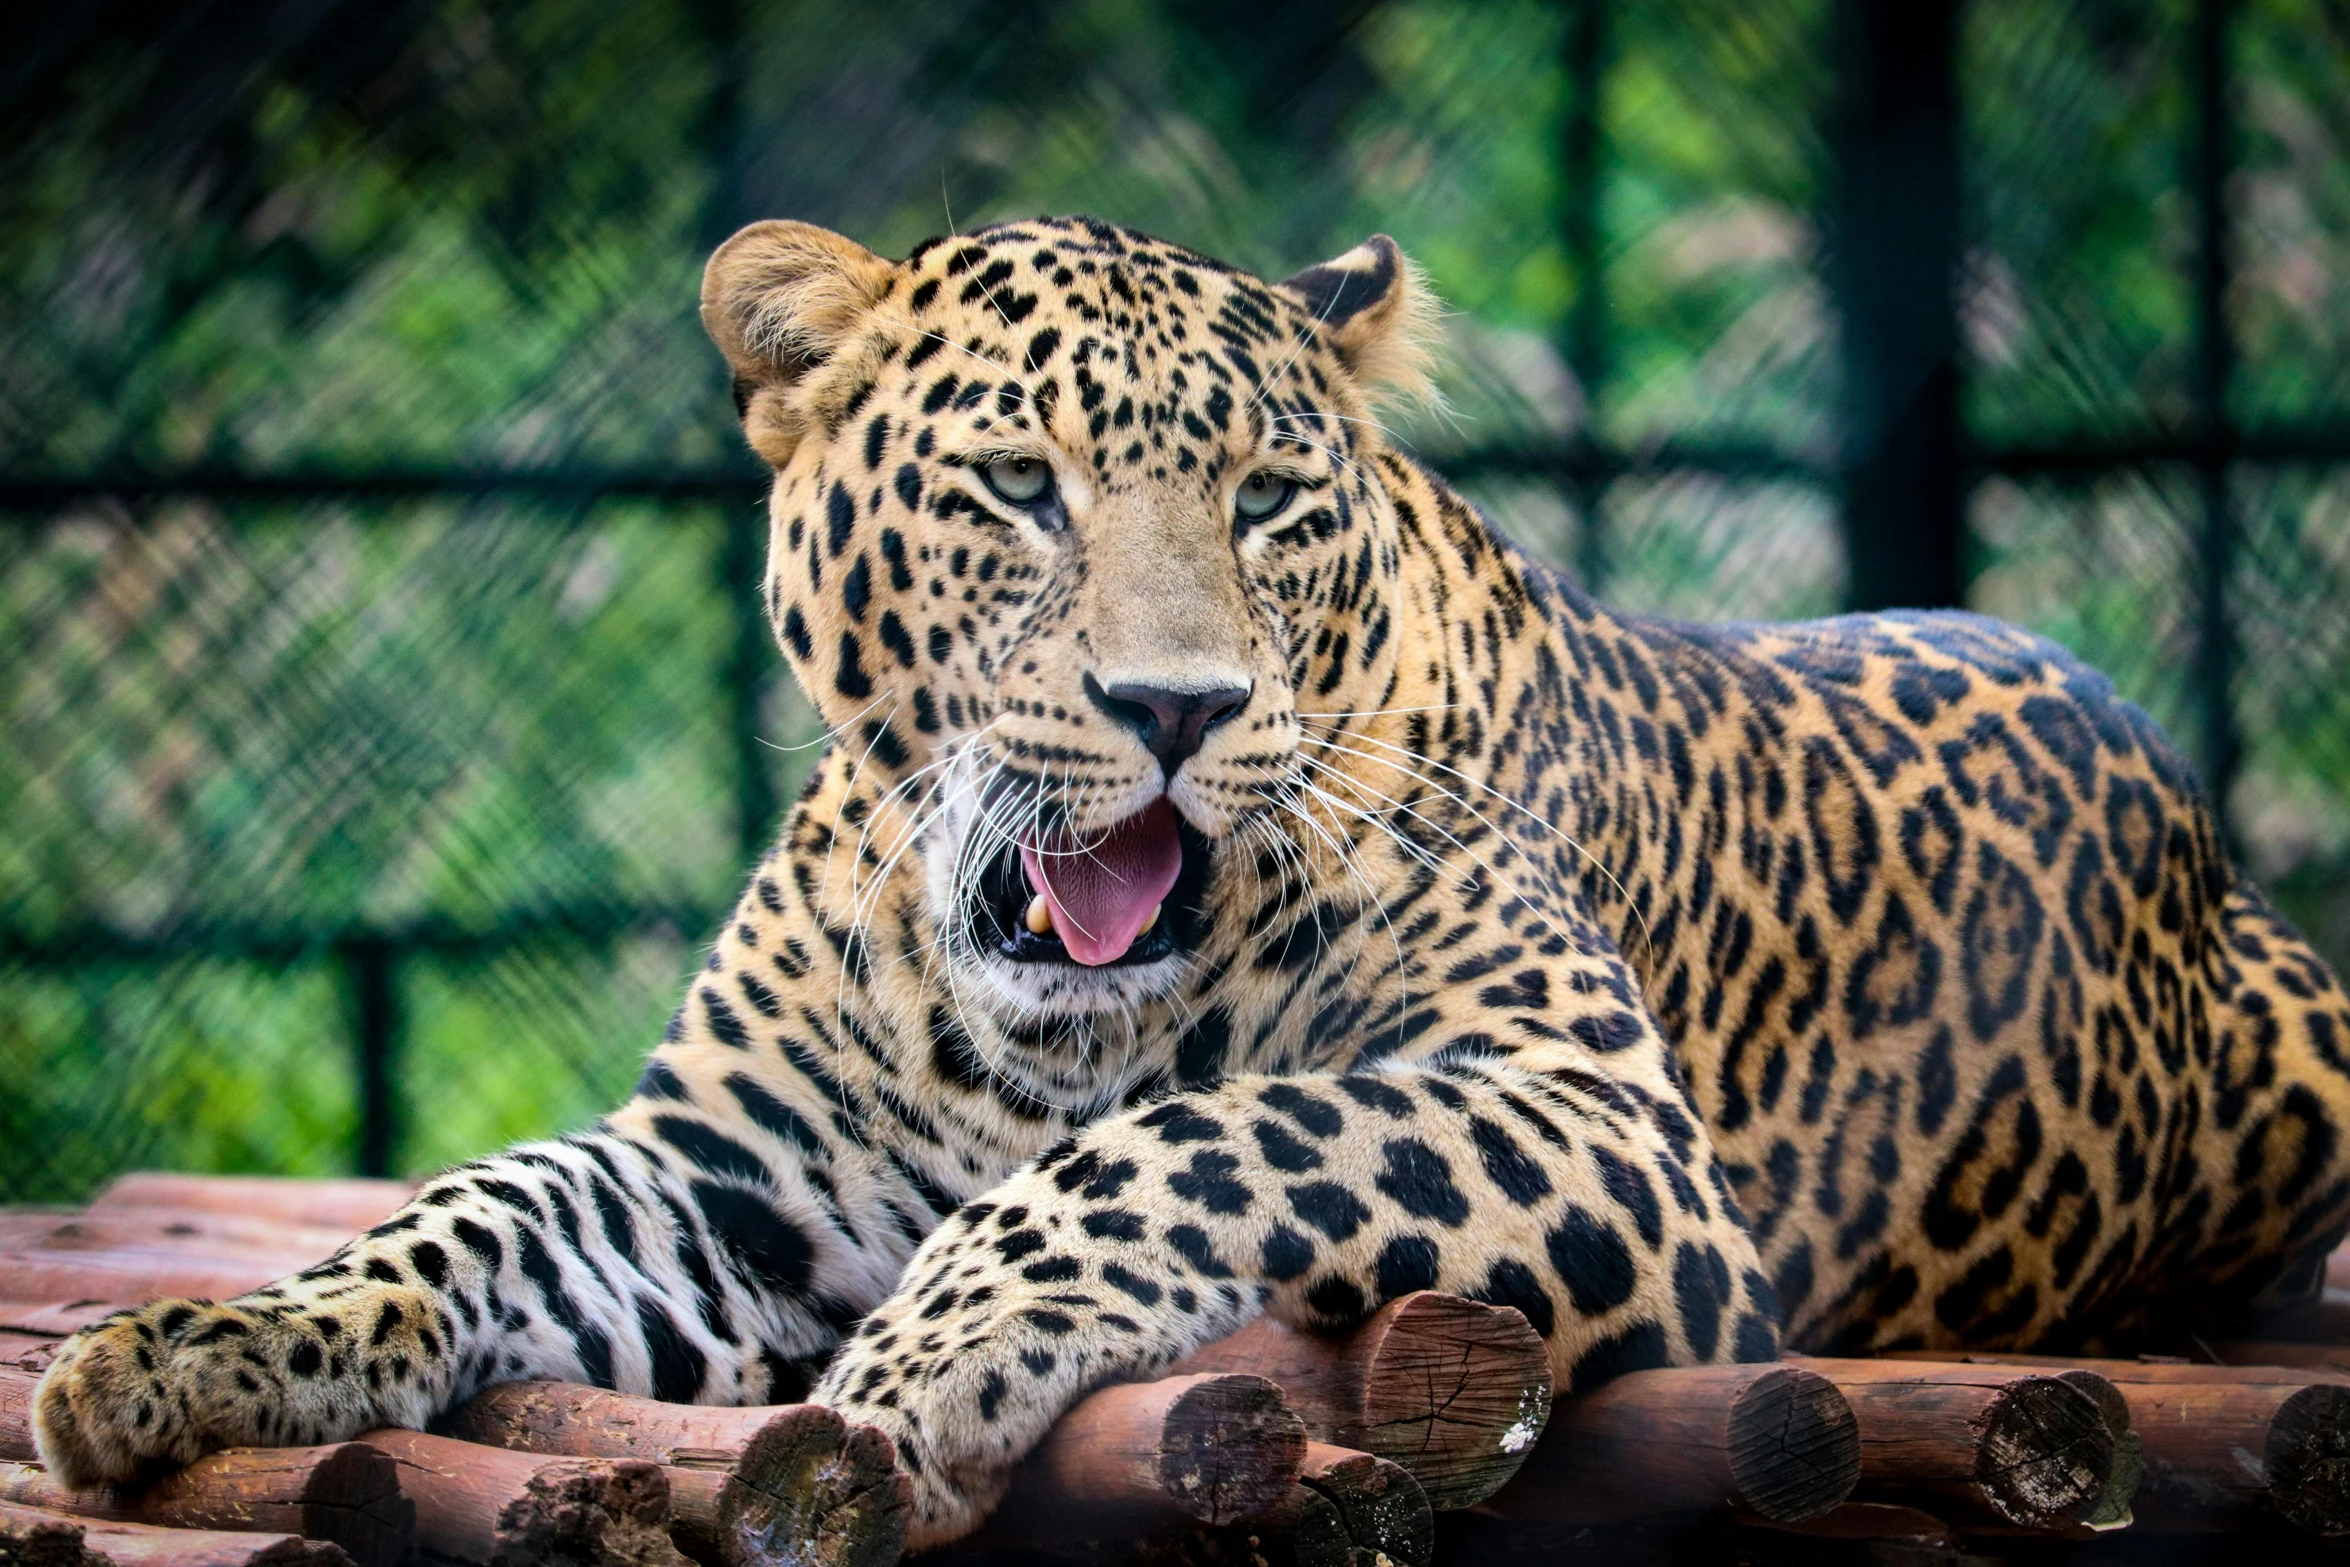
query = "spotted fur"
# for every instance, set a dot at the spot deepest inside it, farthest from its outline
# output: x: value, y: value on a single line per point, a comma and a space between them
x: 1857, y: 984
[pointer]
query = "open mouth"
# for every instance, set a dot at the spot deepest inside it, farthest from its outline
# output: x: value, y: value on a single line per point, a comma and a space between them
x: 1127, y: 896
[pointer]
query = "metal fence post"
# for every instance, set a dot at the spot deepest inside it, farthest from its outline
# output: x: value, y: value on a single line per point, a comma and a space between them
x: 1893, y: 262
x: 743, y: 563
x: 1581, y: 149
x: 2214, y: 434
x: 742, y: 554
x: 371, y: 983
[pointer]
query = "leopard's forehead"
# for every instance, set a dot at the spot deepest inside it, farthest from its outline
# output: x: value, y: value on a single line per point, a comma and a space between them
x: 1148, y: 336
x: 1105, y: 278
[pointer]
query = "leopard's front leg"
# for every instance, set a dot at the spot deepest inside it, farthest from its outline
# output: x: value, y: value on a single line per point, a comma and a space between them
x: 1585, y: 1204
x: 619, y: 1260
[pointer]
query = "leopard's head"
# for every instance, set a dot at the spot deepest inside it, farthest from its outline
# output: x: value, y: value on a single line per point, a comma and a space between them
x: 1069, y: 527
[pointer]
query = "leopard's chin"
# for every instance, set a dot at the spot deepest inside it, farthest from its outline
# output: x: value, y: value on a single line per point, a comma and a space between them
x: 1025, y: 994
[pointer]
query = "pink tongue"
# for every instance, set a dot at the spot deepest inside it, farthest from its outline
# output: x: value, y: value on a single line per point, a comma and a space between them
x: 1102, y: 893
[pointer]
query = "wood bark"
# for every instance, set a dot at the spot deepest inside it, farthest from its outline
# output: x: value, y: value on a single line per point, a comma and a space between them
x: 1150, y: 1461
x: 1999, y: 1445
x: 498, y: 1509
x: 37, y: 1537
x: 347, y: 1493
x: 748, y: 1485
x: 1454, y: 1391
x: 1771, y: 1441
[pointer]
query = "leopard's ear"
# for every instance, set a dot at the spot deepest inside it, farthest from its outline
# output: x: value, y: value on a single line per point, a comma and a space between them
x: 781, y: 300
x: 1373, y: 306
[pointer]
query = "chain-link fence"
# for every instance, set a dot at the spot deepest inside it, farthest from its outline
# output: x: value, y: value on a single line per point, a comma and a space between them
x: 387, y: 709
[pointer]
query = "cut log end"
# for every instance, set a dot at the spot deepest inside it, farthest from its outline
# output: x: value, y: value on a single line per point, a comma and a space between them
x: 823, y: 1495
x: 1380, y: 1510
x: 2308, y: 1460
x: 1229, y: 1448
x: 2045, y: 1455
x: 588, y: 1514
x: 30, y: 1539
x: 1457, y: 1392
x: 1794, y: 1445
x: 1150, y: 1462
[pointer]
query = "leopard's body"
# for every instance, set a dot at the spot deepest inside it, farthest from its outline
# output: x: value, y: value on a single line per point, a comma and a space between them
x: 1869, y: 982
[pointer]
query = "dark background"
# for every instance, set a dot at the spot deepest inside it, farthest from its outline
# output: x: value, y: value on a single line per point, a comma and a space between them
x: 385, y: 712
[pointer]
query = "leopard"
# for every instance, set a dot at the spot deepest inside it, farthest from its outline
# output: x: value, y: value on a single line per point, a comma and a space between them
x: 1239, y: 881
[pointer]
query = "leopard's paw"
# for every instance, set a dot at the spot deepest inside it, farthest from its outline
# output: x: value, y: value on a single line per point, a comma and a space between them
x: 962, y: 1408
x: 111, y: 1401
x: 177, y: 1379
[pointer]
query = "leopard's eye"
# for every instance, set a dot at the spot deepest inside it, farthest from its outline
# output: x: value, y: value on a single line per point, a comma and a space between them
x: 1261, y: 495
x: 1021, y: 481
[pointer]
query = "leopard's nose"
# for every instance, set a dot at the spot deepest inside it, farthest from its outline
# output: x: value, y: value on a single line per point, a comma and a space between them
x: 1170, y: 721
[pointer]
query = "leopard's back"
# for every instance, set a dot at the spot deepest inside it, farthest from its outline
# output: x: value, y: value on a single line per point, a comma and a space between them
x: 1996, y: 1047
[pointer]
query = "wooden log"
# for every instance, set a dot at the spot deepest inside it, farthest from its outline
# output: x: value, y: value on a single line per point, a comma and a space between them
x: 2113, y: 1511
x: 347, y: 1493
x: 102, y: 1541
x: 170, y: 1231
x: 2231, y: 1446
x: 1152, y: 1460
x: 499, y: 1509
x: 1996, y: 1445
x: 2221, y: 1455
x: 49, y: 1317
x: 23, y: 1357
x: 2120, y: 1372
x: 748, y: 1485
x: 132, y: 1277
x: 1453, y: 1390
x: 346, y: 1205
x: 1773, y: 1442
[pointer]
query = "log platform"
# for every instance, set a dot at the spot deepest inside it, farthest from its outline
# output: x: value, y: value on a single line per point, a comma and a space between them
x: 1426, y: 1435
